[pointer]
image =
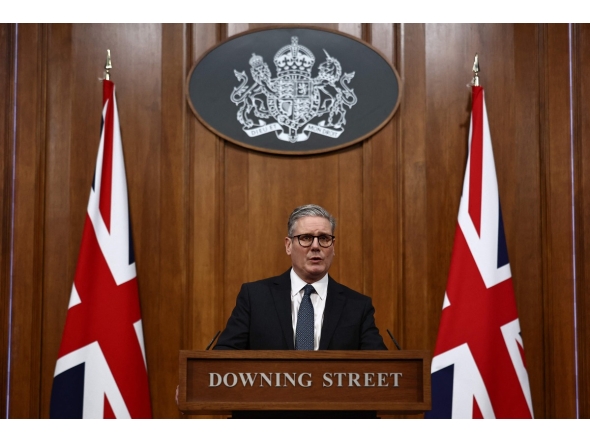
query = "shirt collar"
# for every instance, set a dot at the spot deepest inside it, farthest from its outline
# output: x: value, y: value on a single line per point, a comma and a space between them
x: 297, y: 284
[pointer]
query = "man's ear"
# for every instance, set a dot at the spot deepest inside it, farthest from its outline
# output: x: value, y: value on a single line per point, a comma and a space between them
x: 288, y: 245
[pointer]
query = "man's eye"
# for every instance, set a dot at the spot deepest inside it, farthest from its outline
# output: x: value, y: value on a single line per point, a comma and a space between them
x: 305, y: 238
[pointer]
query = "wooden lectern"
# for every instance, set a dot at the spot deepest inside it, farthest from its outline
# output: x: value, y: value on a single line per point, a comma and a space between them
x: 220, y: 382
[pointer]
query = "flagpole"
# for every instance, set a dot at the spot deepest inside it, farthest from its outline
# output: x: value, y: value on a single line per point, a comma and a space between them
x: 108, y: 65
x: 475, y: 80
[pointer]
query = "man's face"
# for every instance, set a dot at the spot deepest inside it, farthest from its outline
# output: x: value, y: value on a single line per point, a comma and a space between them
x: 313, y: 262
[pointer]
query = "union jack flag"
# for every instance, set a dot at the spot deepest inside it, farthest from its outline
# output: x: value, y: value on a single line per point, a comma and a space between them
x: 101, y: 370
x: 478, y: 368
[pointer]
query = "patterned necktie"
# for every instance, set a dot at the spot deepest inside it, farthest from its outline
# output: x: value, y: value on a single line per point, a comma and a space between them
x: 305, y: 321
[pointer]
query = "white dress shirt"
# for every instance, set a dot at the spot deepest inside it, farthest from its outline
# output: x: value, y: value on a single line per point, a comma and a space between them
x: 318, y: 300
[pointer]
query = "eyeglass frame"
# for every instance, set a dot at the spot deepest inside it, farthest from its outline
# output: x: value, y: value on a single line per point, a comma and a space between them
x: 313, y: 240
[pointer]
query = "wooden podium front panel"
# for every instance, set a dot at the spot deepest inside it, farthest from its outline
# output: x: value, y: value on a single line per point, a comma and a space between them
x: 214, y: 382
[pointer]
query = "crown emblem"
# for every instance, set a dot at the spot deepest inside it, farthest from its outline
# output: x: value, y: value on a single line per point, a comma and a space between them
x: 256, y: 61
x: 294, y: 59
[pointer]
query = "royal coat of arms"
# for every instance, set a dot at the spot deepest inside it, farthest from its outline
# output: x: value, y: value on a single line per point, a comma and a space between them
x: 287, y: 103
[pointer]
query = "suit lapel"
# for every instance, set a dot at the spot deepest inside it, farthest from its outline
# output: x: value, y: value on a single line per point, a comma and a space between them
x: 334, y: 305
x: 281, y: 292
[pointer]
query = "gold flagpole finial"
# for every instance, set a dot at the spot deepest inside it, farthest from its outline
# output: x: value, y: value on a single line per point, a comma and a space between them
x: 475, y: 81
x: 108, y: 66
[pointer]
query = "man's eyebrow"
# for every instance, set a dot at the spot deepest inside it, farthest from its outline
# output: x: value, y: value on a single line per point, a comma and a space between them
x: 309, y: 234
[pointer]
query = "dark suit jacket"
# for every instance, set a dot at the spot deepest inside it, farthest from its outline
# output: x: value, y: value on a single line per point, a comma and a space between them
x: 261, y: 319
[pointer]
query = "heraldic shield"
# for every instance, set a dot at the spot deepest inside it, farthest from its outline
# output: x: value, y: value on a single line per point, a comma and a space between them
x: 294, y: 98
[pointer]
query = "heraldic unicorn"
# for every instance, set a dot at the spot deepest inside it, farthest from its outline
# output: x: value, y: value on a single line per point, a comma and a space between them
x: 293, y: 99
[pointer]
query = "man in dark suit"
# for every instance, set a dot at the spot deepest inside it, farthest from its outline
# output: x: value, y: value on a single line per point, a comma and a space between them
x: 285, y: 313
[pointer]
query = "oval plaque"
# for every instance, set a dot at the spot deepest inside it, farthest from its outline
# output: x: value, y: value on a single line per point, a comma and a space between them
x: 293, y: 90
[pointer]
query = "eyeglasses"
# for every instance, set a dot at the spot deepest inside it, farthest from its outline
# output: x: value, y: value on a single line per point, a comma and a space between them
x: 305, y: 240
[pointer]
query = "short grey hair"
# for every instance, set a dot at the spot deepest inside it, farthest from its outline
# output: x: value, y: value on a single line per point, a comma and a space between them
x: 307, y: 211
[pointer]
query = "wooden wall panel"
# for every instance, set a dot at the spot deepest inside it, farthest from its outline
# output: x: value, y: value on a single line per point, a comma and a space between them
x: 7, y: 45
x: 209, y: 215
x: 520, y: 158
x: 206, y: 241
x: 581, y: 109
x: 348, y: 262
x: 59, y: 231
x: 234, y: 233
x: 173, y: 297
x: 27, y: 267
x: 204, y: 209
x: 381, y: 190
x: 421, y: 306
x: 560, y: 384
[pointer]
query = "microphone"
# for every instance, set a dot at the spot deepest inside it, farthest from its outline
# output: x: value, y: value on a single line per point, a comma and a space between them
x: 213, y: 340
x: 393, y: 339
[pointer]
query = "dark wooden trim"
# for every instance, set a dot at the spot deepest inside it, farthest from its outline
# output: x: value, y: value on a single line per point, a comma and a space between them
x: 581, y: 134
x: 559, y: 320
x: 8, y: 48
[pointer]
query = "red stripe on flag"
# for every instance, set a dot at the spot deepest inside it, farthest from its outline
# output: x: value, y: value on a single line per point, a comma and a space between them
x: 107, y: 158
x: 476, y: 410
x: 108, y: 410
x: 476, y: 158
